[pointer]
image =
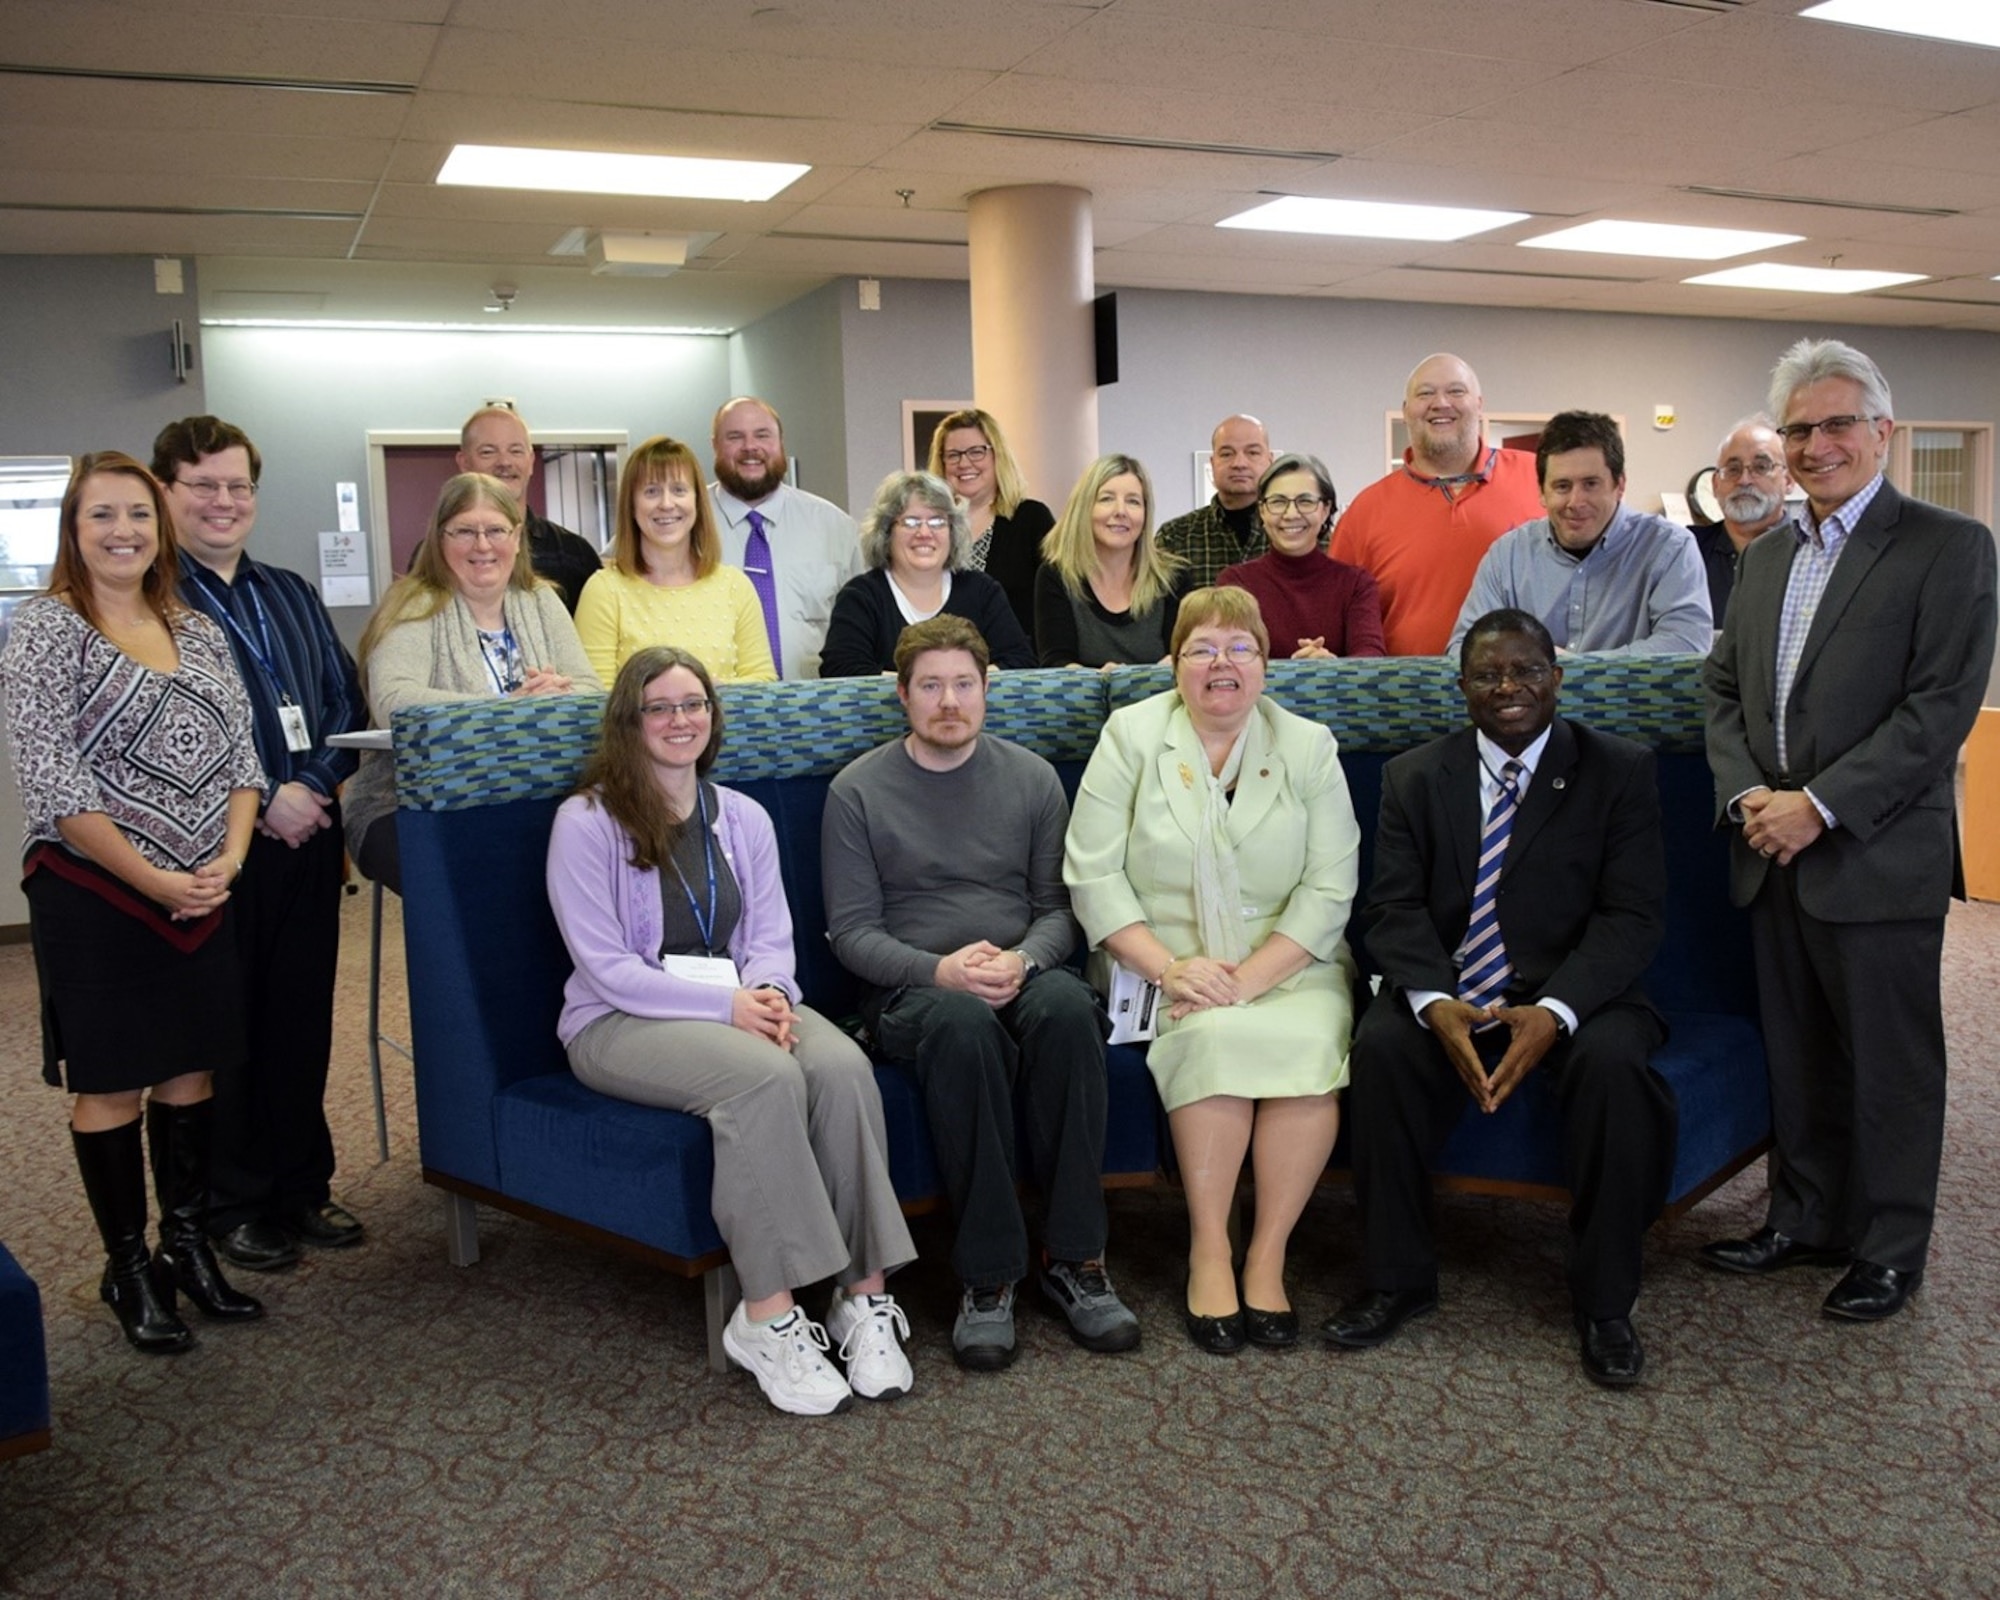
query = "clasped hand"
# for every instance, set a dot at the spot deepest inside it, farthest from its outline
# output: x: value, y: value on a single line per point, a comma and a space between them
x: 764, y: 1012
x: 1533, y: 1030
x: 1194, y: 983
x: 543, y: 680
x: 1780, y: 823
x: 191, y: 895
x: 295, y: 814
x: 982, y: 970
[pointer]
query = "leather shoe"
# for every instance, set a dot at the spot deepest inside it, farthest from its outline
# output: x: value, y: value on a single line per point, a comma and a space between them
x: 1869, y: 1293
x: 1274, y: 1330
x: 1219, y: 1336
x: 1374, y: 1318
x: 1768, y: 1250
x: 1612, y: 1354
x: 258, y: 1245
x: 325, y: 1227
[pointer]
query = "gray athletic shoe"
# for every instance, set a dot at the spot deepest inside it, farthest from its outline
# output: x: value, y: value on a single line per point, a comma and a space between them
x: 983, y: 1336
x: 1098, y: 1319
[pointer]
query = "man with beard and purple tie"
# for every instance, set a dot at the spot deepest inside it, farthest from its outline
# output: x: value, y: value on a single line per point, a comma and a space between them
x: 797, y: 548
x: 1750, y: 483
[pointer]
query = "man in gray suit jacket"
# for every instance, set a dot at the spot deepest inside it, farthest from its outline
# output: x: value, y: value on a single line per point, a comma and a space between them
x: 1869, y: 624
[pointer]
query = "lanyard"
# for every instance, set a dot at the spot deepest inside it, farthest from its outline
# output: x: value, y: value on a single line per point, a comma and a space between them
x: 506, y: 646
x: 266, y: 657
x: 704, y: 926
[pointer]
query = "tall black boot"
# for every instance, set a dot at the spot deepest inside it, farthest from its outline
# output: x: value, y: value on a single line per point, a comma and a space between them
x: 180, y: 1137
x: 114, y: 1177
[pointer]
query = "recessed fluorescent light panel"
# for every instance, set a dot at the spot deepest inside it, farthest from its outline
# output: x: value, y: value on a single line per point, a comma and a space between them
x: 1807, y: 280
x: 495, y: 166
x: 1613, y: 238
x: 358, y: 325
x: 1369, y: 219
x: 1961, y: 21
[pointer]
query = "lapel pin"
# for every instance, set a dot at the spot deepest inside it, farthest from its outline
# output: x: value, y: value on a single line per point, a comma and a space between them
x: 1187, y: 776
x: 1560, y: 783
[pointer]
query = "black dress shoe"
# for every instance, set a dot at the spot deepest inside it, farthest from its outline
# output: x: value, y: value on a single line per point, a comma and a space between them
x: 1869, y: 1293
x: 1219, y: 1336
x: 1612, y: 1354
x: 257, y: 1246
x: 1374, y: 1318
x: 325, y: 1227
x: 1768, y: 1250
x: 1274, y: 1330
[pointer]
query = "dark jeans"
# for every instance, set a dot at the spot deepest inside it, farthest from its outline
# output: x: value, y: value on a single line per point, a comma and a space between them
x: 971, y: 1062
x: 273, y: 1149
x: 1619, y: 1122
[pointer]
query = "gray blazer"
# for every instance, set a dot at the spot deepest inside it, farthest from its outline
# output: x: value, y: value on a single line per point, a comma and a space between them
x: 1888, y: 687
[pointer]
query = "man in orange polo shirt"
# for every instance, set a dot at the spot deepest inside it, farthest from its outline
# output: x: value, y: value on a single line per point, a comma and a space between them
x: 1422, y: 530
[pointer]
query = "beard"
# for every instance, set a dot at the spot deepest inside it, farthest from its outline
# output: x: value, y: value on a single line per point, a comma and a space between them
x: 1751, y: 505
x: 772, y: 474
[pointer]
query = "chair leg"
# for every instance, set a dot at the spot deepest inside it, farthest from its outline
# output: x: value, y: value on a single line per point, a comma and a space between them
x: 461, y: 1231
x: 720, y: 1292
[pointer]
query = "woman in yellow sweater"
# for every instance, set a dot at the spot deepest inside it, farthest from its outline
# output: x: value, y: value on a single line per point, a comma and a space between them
x: 666, y: 583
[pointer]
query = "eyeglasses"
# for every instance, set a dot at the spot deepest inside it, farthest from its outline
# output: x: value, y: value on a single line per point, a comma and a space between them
x: 1280, y: 505
x: 1528, y: 677
x: 971, y: 455
x: 1761, y: 467
x: 1832, y: 427
x: 213, y: 489
x: 1239, y: 654
x: 665, y: 710
x: 492, y: 533
x: 935, y: 524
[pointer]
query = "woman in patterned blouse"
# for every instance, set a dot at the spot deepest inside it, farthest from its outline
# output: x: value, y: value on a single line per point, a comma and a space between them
x: 139, y: 781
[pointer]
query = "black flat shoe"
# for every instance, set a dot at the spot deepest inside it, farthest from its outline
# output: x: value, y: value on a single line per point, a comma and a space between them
x: 257, y: 1246
x: 1870, y: 1293
x: 1219, y: 1336
x: 1274, y: 1330
x: 1373, y: 1319
x: 324, y: 1227
x: 1612, y: 1354
x: 1768, y: 1250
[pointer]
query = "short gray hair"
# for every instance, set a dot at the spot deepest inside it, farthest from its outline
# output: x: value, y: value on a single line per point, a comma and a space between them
x: 1815, y: 360
x: 897, y: 491
x: 1299, y: 461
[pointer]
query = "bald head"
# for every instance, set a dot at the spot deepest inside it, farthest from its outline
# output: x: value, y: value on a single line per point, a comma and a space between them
x: 1239, y: 451
x: 1750, y: 479
x: 1445, y: 413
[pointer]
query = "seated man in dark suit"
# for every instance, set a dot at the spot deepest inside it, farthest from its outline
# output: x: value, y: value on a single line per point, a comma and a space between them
x: 1517, y: 898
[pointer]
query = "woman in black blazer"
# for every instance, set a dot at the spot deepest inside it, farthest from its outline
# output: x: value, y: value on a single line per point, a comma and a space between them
x: 969, y: 452
x: 915, y: 542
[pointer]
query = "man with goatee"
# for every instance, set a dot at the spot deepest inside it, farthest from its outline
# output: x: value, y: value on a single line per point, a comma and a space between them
x: 1750, y: 483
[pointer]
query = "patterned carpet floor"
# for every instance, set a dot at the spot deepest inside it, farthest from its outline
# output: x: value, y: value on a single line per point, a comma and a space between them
x: 543, y: 1423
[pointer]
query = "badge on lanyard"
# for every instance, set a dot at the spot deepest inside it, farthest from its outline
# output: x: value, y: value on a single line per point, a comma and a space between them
x: 298, y: 737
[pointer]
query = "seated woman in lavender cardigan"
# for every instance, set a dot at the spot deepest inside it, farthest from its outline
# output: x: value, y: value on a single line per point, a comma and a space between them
x: 1315, y: 607
x: 666, y: 889
x: 917, y: 543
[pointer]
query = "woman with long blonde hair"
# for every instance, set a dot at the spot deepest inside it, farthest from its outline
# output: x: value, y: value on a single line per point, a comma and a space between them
x: 1107, y: 593
x: 969, y: 452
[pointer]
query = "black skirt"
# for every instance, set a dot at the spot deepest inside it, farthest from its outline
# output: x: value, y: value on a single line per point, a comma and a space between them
x: 122, y: 1008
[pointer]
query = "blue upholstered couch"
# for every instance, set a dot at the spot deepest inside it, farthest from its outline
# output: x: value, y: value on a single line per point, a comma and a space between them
x: 502, y: 1121
x: 24, y: 1363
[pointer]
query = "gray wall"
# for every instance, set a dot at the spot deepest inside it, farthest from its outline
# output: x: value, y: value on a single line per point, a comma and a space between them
x: 917, y: 347
x: 793, y: 360
x: 309, y: 397
x: 88, y: 367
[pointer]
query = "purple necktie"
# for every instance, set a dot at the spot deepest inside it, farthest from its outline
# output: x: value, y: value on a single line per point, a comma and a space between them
x: 757, y: 563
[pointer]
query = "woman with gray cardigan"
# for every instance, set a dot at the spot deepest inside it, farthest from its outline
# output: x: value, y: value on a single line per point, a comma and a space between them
x: 470, y: 621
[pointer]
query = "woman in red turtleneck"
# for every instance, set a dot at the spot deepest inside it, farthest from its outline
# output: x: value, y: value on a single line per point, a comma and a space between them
x: 1315, y: 607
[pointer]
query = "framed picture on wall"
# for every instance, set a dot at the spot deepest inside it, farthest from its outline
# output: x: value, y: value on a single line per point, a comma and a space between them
x: 920, y: 420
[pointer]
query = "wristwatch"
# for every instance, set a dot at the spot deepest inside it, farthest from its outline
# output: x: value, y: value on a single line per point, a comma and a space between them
x: 1029, y: 965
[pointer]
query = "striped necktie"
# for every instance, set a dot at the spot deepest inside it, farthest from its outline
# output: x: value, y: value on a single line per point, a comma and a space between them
x: 1483, y: 967
x: 757, y: 564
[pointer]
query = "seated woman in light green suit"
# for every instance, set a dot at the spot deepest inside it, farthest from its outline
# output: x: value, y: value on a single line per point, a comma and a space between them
x: 1213, y: 849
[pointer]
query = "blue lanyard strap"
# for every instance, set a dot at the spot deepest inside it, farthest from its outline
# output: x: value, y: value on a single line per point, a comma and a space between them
x: 267, y: 656
x: 705, y: 926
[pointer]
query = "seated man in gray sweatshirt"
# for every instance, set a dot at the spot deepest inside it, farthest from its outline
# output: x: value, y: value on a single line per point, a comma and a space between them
x: 942, y: 854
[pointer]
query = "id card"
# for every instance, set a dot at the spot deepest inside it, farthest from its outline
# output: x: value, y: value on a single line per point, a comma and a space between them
x: 298, y: 737
x: 718, y: 970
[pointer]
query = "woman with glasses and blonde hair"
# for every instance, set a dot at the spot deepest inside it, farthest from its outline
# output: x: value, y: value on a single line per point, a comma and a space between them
x: 969, y: 452
x: 914, y: 543
x: 1106, y: 592
x: 666, y: 889
x: 1316, y: 608
x: 470, y: 621
x: 1213, y: 850
x: 666, y: 583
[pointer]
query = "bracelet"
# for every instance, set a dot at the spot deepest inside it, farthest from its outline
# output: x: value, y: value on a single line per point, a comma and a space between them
x: 1160, y: 982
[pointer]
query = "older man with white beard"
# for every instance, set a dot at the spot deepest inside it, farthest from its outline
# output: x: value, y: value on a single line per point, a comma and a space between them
x: 1751, y: 483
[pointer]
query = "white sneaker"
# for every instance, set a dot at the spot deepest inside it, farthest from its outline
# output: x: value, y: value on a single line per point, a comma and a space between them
x: 867, y: 1326
x: 785, y: 1357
